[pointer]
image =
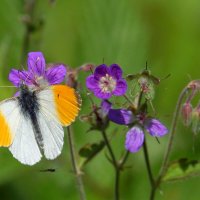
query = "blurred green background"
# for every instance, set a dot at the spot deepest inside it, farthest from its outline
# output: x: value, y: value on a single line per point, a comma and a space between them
x: 164, y: 33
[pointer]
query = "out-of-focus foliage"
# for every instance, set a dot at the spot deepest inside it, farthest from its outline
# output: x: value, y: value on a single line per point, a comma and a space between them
x: 182, y: 169
x: 164, y: 33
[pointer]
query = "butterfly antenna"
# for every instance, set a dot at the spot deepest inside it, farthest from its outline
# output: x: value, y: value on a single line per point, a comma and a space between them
x: 9, y: 86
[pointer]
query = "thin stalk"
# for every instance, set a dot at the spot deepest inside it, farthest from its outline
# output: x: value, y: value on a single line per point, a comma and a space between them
x: 76, y: 170
x: 124, y: 159
x: 172, y: 132
x: 146, y: 157
x: 115, y: 164
x: 109, y: 148
x: 165, y: 162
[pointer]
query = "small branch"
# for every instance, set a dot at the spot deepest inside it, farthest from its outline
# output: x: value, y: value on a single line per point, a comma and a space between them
x: 76, y: 170
x: 146, y: 157
x: 124, y: 159
x: 115, y: 164
x: 170, y: 143
x: 172, y: 132
x: 109, y: 148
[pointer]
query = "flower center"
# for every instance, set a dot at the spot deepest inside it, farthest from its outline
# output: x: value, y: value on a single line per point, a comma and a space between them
x: 107, y: 84
x: 141, y: 118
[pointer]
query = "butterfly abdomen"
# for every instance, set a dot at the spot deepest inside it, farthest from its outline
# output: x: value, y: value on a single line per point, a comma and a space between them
x: 29, y: 107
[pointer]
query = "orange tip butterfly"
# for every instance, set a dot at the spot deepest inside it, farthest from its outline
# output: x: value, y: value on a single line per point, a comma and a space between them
x: 31, y: 124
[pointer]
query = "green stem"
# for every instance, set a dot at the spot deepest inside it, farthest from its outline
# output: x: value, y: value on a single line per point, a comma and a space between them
x: 115, y: 164
x: 170, y: 142
x: 146, y: 156
x: 76, y: 170
x: 172, y: 132
x: 109, y: 148
x: 124, y: 159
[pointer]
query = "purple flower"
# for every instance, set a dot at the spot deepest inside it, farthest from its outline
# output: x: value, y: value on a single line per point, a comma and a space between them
x: 135, y: 136
x: 155, y: 128
x: 107, y: 81
x: 37, y: 75
x: 134, y: 139
x: 121, y: 116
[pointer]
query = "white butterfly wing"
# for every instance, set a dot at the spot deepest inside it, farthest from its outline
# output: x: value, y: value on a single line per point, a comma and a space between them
x: 59, y: 106
x: 51, y: 129
x: 24, y: 147
x: 23, y: 144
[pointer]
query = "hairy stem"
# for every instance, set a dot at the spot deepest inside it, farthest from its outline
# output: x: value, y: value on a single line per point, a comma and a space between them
x: 165, y: 162
x: 115, y: 164
x: 150, y: 174
x: 146, y: 157
x: 76, y: 170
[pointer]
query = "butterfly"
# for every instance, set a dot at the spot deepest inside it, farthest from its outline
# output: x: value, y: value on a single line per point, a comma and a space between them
x: 31, y: 124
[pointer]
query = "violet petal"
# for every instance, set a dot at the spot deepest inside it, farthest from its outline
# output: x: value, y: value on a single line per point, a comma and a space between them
x: 17, y: 77
x: 100, y: 71
x: 56, y: 74
x: 134, y: 139
x: 121, y: 88
x: 155, y: 127
x: 91, y: 82
x: 102, y: 95
x: 115, y: 71
x: 36, y: 63
x: 121, y: 116
x: 105, y: 107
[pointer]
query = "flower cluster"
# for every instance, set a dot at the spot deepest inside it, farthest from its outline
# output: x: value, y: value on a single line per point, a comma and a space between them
x: 138, y: 123
x: 108, y: 81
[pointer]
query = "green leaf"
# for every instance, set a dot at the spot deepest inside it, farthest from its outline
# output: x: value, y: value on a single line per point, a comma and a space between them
x: 89, y: 151
x: 182, y: 169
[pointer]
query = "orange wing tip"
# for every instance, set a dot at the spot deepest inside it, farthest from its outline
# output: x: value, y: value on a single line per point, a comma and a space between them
x: 5, y: 132
x: 67, y: 102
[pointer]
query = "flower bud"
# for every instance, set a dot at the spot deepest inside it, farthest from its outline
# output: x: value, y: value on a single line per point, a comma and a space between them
x: 71, y: 77
x: 186, y: 113
x: 196, y: 119
x: 87, y: 67
x: 195, y: 85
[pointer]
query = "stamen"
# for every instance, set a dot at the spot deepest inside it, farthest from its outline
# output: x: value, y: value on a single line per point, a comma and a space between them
x: 107, y: 84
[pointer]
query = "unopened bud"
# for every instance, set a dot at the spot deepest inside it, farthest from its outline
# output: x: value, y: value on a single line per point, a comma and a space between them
x: 195, y: 85
x: 87, y: 67
x: 187, y: 113
x: 71, y: 77
x: 196, y: 119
